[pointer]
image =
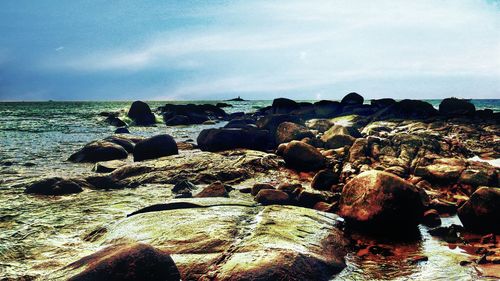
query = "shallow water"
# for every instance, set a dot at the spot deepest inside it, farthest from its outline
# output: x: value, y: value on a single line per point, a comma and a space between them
x: 40, y: 234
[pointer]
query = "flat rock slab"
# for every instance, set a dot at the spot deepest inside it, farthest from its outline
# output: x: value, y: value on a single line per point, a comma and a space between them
x: 227, y: 239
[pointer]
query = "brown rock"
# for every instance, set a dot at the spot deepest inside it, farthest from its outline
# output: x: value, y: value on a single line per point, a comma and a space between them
x: 482, y: 211
x: 216, y: 189
x: 260, y: 186
x: 303, y: 157
x: 272, y: 197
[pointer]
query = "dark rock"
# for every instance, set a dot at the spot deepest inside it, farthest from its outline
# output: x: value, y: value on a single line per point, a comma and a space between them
x: 195, y: 113
x: 443, y: 207
x: 241, y: 124
x: 229, y: 138
x: 431, y: 218
x: 122, y: 141
x: 379, y: 200
x: 97, y: 151
x: 291, y: 188
x: 481, y: 212
x: 288, y: 131
x: 284, y: 105
x: 115, y: 121
x: 260, y: 186
x: 126, y: 262
x: 339, y: 136
x: 320, y: 125
x: 326, y: 108
x: 57, y: 186
x: 237, y: 99
x: 456, y: 107
x: 303, y: 157
x: 108, y: 166
x: 324, y: 180
x: 216, y: 189
x: 183, y: 185
x: 382, y: 103
x: 155, y: 147
x: 309, y: 199
x: 272, y: 197
x: 223, y: 104
x: 141, y: 114
x: 178, y: 120
x: 271, y: 122
x: 408, y: 109
x: 352, y: 99
x: 122, y: 130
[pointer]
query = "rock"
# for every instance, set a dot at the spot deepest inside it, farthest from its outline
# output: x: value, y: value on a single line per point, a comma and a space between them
x: 481, y: 212
x: 379, y: 200
x: 431, y: 218
x: 223, y: 104
x: 326, y: 207
x: 125, y: 142
x: 320, y: 125
x: 272, y: 197
x: 178, y: 120
x: 382, y: 103
x: 228, y: 239
x: 324, y: 180
x: 57, y: 186
x: 284, y: 105
x: 126, y: 262
x: 439, y: 172
x: 326, y: 108
x: 352, y: 99
x: 97, y: 151
x: 122, y: 130
x: 241, y: 124
x: 229, y: 138
x: 115, y: 121
x: 182, y: 186
x: 339, y: 136
x: 408, y: 109
x: 303, y: 157
x: 292, y: 189
x: 271, y: 122
x: 141, y: 114
x: 155, y: 147
x: 288, y: 131
x: 108, y: 166
x: 216, y: 189
x: 442, y: 206
x: 456, y: 107
x: 260, y: 186
x: 479, y: 175
x: 309, y: 199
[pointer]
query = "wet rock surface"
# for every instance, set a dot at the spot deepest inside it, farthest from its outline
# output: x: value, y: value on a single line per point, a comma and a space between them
x: 243, y: 242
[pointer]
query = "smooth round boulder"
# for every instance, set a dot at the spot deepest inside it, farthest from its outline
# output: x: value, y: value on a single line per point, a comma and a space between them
x: 260, y: 186
x: 141, y: 114
x: 481, y: 213
x: 288, y: 131
x: 178, y: 120
x: 127, y: 143
x: 272, y: 197
x: 97, y: 151
x: 155, y: 147
x: 216, y: 189
x: 376, y: 200
x: 284, y: 105
x: 456, y: 107
x: 352, y: 99
x: 324, y: 180
x: 115, y: 121
x: 57, y: 186
x: 126, y: 262
x: 303, y: 157
x: 230, y: 138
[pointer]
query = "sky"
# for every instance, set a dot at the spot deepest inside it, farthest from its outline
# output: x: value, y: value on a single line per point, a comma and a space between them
x: 209, y: 50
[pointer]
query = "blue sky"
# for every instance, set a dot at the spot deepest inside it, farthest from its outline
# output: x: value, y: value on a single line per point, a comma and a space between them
x: 194, y: 50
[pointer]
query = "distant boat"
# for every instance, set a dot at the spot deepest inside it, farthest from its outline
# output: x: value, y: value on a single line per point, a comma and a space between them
x: 237, y: 99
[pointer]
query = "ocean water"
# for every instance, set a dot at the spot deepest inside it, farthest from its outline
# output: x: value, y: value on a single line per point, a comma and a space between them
x: 39, y: 234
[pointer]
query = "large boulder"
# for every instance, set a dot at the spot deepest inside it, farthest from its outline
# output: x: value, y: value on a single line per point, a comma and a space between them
x: 456, y: 107
x: 125, y: 262
x: 141, y: 114
x: 288, y: 131
x: 408, y: 109
x: 382, y: 103
x: 284, y: 105
x: 324, y: 180
x: 272, y: 197
x: 216, y: 189
x: 231, y: 138
x: 339, y: 136
x: 126, y: 142
x: 272, y: 121
x: 380, y: 200
x: 303, y: 157
x: 326, y: 108
x: 481, y: 212
x: 184, y: 114
x: 57, y: 186
x: 178, y: 120
x: 97, y: 151
x: 229, y: 239
x: 155, y: 147
x: 320, y: 125
x: 115, y: 121
x: 352, y: 99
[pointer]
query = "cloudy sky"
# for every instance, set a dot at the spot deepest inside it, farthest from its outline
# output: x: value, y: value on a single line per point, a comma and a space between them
x: 195, y: 50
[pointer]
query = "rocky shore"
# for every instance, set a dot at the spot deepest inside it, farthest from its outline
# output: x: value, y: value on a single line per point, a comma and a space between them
x: 286, y: 192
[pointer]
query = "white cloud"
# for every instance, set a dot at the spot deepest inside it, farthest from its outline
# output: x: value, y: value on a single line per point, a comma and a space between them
x: 285, y: 46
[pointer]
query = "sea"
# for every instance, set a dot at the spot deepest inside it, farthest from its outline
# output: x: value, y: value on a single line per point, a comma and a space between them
x: 41, y: 234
